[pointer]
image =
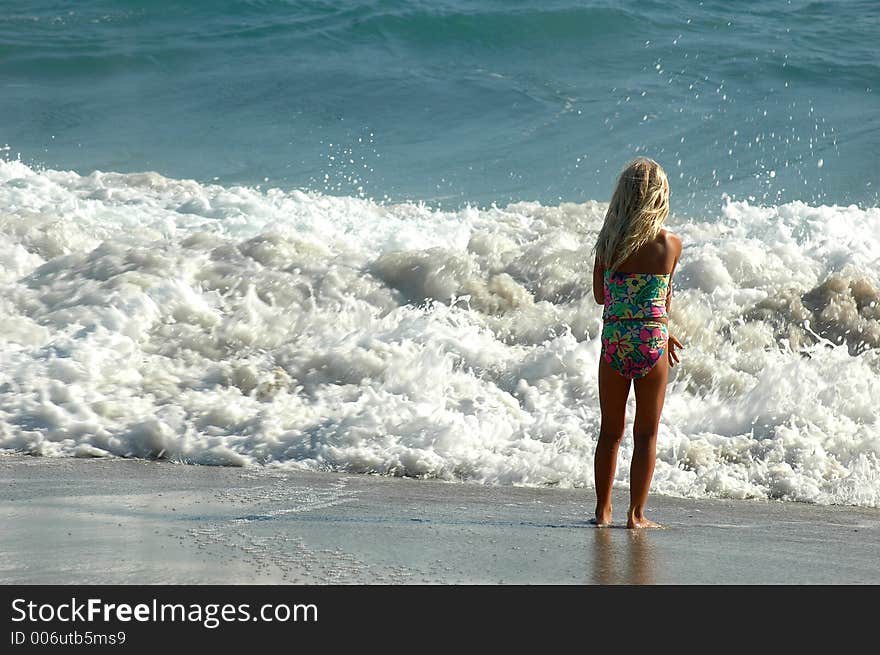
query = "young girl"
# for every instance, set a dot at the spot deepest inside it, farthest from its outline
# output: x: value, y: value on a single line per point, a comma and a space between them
x: 632, y: 278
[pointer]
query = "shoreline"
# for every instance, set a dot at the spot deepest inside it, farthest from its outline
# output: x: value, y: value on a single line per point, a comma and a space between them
x: 127, y: 521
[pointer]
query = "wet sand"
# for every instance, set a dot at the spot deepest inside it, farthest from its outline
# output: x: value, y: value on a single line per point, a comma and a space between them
x: 97, y: 521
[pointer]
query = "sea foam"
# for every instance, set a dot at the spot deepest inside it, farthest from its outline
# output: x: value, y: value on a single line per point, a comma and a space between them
x: 153, y: 317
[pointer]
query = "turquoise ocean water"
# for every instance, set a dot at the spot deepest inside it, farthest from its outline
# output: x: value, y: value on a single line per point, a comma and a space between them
x: 453, y: 101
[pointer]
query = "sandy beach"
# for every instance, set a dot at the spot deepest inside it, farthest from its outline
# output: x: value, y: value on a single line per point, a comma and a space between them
x: 103, y: 521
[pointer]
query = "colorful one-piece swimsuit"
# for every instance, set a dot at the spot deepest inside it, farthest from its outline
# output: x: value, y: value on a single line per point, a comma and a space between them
x: 634, y: 334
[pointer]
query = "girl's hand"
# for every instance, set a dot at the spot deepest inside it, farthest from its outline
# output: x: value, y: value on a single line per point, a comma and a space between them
x: 673, y: 344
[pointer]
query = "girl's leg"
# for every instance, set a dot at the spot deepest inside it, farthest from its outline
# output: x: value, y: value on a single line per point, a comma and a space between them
x: 650, y: 394
x: 613, y: 392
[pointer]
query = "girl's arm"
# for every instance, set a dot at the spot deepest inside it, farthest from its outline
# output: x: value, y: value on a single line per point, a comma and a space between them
x: 598, y: 282
x: 673, y: 344
x: 671, y: 274
x: 669, y: 292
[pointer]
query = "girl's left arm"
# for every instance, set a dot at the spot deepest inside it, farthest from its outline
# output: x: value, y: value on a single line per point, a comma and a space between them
x: 598, y: 282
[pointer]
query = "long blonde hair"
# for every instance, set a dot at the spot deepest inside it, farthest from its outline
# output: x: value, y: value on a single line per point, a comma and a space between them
x: 635, y: 214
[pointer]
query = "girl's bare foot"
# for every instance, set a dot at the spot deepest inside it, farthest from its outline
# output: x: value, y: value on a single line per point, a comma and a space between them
x: 603, y: 518
x: 634, y: 522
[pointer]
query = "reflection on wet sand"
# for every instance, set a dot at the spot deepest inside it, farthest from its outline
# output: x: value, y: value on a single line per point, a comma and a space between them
x: 623, y: 557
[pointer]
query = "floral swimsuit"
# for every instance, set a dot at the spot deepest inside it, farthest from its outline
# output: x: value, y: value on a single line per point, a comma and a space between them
x: 634, y: 333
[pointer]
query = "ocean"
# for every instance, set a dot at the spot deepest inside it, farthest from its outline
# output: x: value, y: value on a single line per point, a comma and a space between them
x: 356, y: 236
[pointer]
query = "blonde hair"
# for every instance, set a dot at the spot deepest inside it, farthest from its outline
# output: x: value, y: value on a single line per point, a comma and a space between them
x: 638, y: 207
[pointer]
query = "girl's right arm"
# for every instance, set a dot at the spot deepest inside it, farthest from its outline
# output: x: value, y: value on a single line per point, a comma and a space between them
x: 673, y: 343
x: 677, y: 244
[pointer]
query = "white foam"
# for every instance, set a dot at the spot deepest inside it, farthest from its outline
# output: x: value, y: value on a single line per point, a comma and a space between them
x: 151, y: 317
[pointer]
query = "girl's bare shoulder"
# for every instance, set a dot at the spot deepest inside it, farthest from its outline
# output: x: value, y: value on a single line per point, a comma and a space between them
x: 670, y: 240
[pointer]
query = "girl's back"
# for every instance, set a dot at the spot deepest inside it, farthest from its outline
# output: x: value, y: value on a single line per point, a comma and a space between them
x: 657, y: 257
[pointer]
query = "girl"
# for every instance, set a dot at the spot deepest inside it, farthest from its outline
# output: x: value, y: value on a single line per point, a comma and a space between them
x: 632, y: 278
